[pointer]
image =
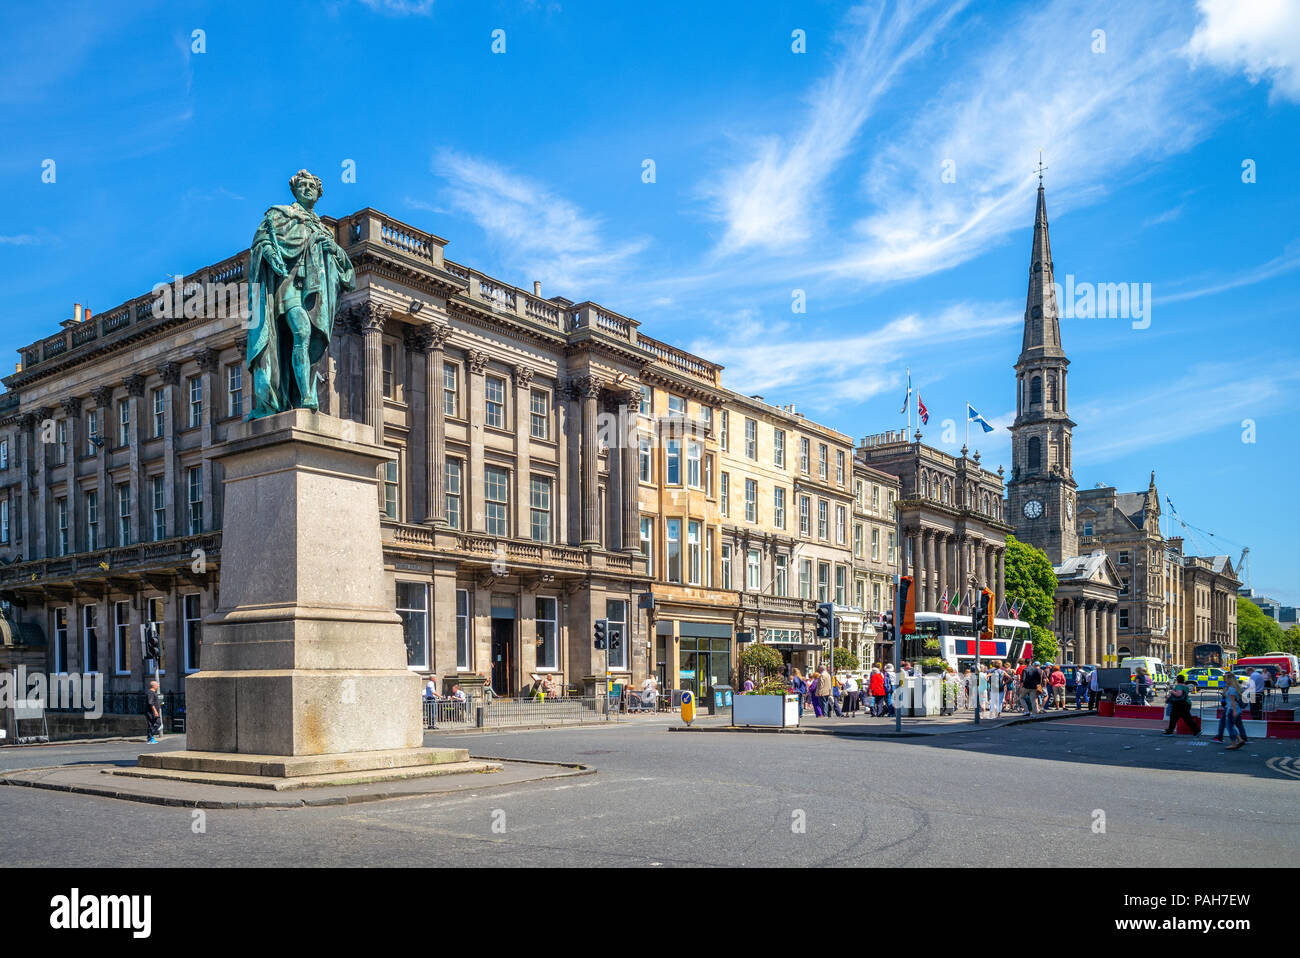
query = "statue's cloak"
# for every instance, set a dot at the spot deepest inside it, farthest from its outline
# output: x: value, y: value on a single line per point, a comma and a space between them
x: 290, y: 253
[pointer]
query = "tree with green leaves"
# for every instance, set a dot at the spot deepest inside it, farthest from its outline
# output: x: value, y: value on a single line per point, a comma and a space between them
x: 1256, y: 632
x: 843, y: 659
x: 1031, y: 580
x: 760, y: 660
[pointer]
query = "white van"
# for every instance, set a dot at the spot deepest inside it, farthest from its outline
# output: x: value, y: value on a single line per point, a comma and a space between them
x: 1156, y: 670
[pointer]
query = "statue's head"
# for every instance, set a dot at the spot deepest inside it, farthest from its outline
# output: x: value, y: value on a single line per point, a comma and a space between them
x: 306, y: 188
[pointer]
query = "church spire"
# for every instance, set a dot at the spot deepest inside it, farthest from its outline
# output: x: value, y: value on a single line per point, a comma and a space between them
x: 1042, y: 323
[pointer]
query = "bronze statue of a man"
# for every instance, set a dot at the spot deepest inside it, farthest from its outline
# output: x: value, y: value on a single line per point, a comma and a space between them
x: 296, y: 272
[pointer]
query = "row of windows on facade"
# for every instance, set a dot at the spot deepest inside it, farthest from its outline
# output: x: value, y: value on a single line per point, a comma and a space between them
x: 95, y: 535
x: 413, y: 608
x: 942, y: 491
x: 123, y: 635
x: 158, y: 417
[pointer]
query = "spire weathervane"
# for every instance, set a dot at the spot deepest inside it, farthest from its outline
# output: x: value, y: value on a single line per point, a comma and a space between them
x: 1041, y: 168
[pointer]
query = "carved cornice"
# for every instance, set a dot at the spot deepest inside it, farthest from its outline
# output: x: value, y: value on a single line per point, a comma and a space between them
x: 170, y: 373
x: 102, y: 395
x: 71, y: 406
x: 134, y: 385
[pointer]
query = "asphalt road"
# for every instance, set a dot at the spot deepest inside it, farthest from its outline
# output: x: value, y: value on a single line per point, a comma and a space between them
x: 1021, y: 795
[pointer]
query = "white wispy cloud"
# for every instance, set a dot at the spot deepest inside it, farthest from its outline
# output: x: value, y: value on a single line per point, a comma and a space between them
x: 1277, y: 266
x: 774, y: 196
x: 1207, y: 397
x: 534, y: 230
x: 401, y: 8
x: 1039, y: 85
x: 828, y: 368
x: 1260, y: 38
x: 20, y: 239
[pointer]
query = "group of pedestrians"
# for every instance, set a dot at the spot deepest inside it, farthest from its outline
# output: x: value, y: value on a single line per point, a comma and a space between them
x: 1004, y: 686
x: 827, y: 693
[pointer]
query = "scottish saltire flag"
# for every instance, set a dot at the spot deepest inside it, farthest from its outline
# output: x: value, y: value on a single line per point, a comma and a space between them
x: 1172, y: 511
x: 1001, y: 613
x: 921, y: 410
x: 974, y: 416
x: 908, y: 398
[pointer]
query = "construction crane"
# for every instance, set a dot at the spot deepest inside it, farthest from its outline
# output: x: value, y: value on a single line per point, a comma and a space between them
x: 1243, y: 562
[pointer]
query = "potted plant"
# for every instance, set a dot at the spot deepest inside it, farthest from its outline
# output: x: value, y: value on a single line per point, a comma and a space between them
x: 770, y: 703
x: 934, y: 666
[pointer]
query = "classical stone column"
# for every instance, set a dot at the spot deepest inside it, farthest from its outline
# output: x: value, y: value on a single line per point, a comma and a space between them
x: 926, y: 581
x: 963, y: 565
x: 472, y: 481
x: 523, y: 377
x: 436, y: 426
x: 918, y: 565
x: 1080, y: 641
x: 72, y: 451
x: 1002, y: 575
x: 631, y: 480
x: 135, y: 404
x: 170, y: 374
x: 102, y: 397
x: 590, y: 387
x: 209, y: 362
x: 945, y: 587
x: 29, y: 436
x: 372, y: 316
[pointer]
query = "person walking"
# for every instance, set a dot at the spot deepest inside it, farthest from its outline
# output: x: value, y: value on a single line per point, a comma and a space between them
x: 876, y: 685
x: 1283, y: 685
x: 1180, y: 708
x: 1143, y: 686
x: 1057, y: 681
x: 800, y: 688
x: 890, y: 685
x: 1232, y: 707
x: 824, y: 686
x: 850, y: 694
x: 1031, y: 679
x: 997, y: 679
x: 153, y: 712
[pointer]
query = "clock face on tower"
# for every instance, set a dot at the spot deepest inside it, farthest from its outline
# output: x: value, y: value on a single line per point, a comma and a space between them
x: 1069, y: 509
x: 1033, y: 509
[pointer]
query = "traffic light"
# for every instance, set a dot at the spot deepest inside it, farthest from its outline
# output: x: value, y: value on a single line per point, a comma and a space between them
x: 152, y: 647
x: 986, y: 614
x: 887, y: 622
x: 602, y: 630
x: 825, y: 620
x: 615, y: 640
x: 906, y: 606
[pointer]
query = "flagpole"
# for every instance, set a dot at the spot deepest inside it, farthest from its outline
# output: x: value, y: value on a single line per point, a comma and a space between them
x: 968, y: 424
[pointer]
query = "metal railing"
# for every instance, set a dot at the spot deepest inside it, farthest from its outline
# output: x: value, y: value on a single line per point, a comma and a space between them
x: 445, y: 714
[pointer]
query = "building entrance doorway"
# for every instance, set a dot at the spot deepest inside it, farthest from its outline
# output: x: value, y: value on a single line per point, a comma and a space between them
x: 503, y: 639
x: 702, y: 664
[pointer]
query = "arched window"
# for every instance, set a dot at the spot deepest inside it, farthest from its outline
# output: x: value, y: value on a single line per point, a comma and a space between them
x: 1036, y: 391
x: 947, y: 491
x: 1035, y: 452
x: 1051, y: 391
x: 925, y: 486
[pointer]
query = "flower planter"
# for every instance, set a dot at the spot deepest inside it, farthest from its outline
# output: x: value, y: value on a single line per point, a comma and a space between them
x: 770, y: 711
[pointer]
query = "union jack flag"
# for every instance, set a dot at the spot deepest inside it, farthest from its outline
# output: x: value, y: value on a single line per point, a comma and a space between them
x: 921, y: 411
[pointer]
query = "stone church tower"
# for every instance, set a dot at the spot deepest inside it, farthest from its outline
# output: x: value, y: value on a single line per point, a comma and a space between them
x: 1040, y: 495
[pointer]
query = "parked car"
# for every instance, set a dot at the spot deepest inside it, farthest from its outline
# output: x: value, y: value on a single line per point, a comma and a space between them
x: 1205, y: 677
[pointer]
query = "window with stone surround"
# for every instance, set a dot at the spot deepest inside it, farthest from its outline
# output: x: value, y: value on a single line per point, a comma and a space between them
x: 413, y: 610
x: 450, y: 390
x: 195, y: 384
x: 539, y: 414
x: 494, y: 391
x: 539, y: 508
x: 235, y: 389
x: 464, y: 632
x: 548, y: 634
x: 496, y: 494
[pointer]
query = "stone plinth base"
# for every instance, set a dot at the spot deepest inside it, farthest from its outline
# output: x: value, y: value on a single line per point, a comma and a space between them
x: 304, y: 656
x: 281, y: 772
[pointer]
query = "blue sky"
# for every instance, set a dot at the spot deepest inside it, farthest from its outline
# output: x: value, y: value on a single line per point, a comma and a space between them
x: 887, y: 172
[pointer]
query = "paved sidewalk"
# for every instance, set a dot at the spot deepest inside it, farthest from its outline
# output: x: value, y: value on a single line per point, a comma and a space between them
x: 865, y: 726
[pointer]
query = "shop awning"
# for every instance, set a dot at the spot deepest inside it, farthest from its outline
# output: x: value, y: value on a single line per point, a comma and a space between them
x: 797, y: 646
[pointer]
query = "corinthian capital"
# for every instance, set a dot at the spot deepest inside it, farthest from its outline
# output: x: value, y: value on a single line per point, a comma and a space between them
x: 523, y: 376
x: 478, y: 360
x: 134, y: 385
x: 72, y: 406
x: 170, y: 373
x: 371, y: 316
